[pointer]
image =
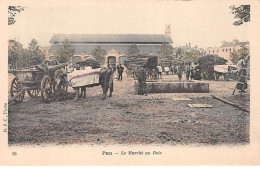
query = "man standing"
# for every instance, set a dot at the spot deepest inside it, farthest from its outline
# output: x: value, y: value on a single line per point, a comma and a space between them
x: 179, y: 71
x: 187, y: 70
x: 167, y: 69
x: 197, y: 74
x: 120, y: 72
x: 159, y: 71
x: 117, y: 68
x: 142, y: 82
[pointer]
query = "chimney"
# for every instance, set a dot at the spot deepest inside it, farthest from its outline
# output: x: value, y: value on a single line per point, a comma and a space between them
x: 235, y: 41
x: 168, y: 30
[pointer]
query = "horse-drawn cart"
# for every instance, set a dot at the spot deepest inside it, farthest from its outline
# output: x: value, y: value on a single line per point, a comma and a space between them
x: 227, y: 71
x: 35, y: 79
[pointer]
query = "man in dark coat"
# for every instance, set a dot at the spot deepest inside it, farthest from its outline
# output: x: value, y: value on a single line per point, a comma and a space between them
x: 117, y: 68
x: 120, y: 72
x: 142, y: 82
x: 187, y: 71
x: 179, y: 71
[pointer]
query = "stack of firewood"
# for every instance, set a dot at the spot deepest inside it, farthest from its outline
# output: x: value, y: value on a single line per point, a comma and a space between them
x: 89, y: 62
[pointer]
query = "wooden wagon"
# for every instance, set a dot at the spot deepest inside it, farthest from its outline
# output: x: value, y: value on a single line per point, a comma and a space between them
x: 35, y: 79
x: 136, y: 61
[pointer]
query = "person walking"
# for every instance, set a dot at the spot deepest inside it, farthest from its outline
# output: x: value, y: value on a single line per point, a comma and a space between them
x: 142, y: 82
x: 120, y: 72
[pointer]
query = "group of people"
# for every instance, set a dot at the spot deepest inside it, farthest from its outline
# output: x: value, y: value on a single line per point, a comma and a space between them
x: 157, y: 72
x: 192, y: 71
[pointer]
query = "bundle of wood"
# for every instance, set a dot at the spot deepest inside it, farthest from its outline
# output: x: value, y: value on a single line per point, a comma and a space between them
x: 206, y: 65
x: 211, y: 60
x: 151, y: 63
x: 148, y: 61
x: 89, y: 62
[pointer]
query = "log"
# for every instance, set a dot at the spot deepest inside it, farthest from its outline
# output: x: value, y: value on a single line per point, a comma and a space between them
x: 230, y: 103
x: 18, y: 94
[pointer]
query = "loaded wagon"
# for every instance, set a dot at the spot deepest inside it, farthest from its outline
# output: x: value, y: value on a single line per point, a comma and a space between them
x: 135, y: 62
x: 227, y: 71
x: 36, y: 79
x: 206, y: 65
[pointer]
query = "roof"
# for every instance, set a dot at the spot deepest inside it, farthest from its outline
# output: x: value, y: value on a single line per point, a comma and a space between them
x: 227, y: 44
x: 111, y: 38
x: 86, y: 48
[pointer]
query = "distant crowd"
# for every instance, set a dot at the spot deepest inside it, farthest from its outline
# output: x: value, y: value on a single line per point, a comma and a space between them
x: 191, y: 71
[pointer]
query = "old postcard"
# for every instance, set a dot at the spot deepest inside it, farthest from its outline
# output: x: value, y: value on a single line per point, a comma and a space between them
x: 129, y: 82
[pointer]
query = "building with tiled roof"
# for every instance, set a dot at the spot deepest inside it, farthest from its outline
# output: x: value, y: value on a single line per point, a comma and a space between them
x: 116, y: 45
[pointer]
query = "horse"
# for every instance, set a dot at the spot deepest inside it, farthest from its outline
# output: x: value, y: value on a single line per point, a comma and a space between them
x: 105, y: 81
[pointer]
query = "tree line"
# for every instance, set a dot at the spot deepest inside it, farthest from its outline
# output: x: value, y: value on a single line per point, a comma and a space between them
x: 23, y: 57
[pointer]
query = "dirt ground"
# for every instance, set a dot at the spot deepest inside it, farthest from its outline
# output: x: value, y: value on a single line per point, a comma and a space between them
x: 126, y: 118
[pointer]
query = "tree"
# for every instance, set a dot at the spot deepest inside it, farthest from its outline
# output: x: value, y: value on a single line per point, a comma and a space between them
x: 65, y: 52
x: 20, y: 57
x: 35, y: 55
x: 133, y: 50
x: 14, y: 54
x: 99, y: 54
x: 193, y: 54
x: 236, y: 55
x: 242, y: 13
x: 25, y: 58
x: 166, y: 51
x: 179, y: 52
x: 12, y: 11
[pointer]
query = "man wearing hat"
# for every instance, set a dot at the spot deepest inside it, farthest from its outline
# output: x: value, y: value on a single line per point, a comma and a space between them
x: 142, y: 82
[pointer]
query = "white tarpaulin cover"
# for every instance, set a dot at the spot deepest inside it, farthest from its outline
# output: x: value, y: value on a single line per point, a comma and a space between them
x: 221, y: 68
x: 79, y: 78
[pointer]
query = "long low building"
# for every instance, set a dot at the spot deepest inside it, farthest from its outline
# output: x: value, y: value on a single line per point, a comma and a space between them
x: 116, y: 45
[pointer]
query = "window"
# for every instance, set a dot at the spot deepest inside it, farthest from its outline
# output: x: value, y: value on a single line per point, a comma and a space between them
x: 209, y: 51
x: 226, y: 50
x: 217, y: 51
x: 213, y: 51
x: 223, y: 50
x: 230, y: 49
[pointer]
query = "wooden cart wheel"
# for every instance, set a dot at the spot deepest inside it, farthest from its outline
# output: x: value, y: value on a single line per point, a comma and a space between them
x: 33, y: 93
x: 46, y: 89
x: 15, y: 88
x: 63, y: 86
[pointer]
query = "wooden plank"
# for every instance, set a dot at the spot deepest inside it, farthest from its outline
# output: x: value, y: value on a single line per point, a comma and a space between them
x: 181, y: 99
x: 230, y: 103
x: 200, y: 105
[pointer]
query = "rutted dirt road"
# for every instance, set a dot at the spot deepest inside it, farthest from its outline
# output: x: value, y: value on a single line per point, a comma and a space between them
x: 131, y: 119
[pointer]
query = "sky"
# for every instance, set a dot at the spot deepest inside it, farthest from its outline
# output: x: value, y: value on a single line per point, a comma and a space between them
x: 204, y: 24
